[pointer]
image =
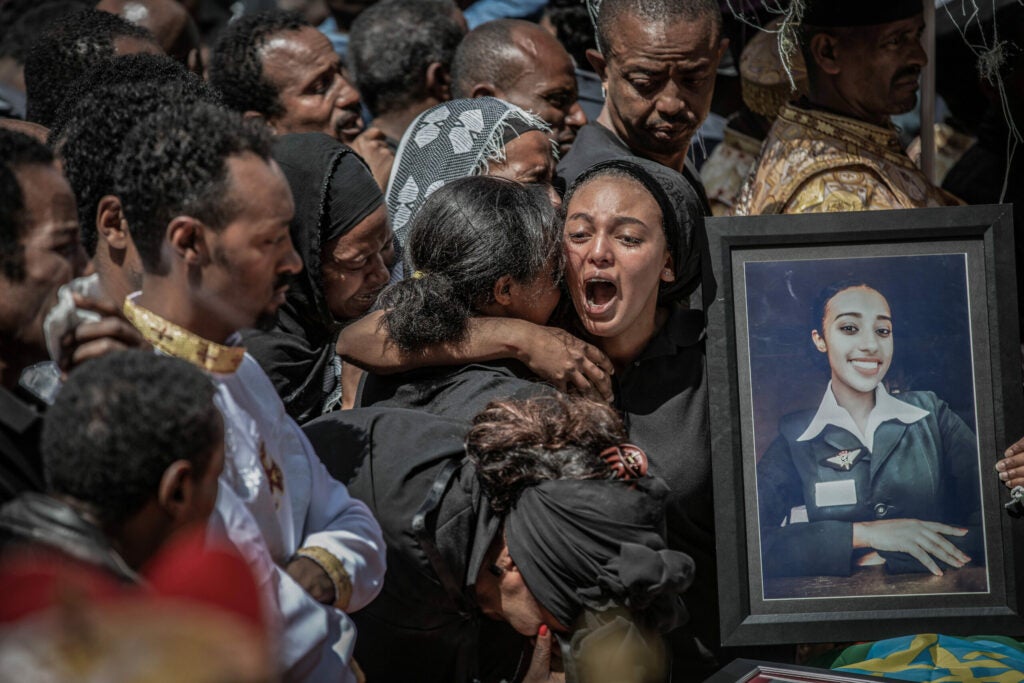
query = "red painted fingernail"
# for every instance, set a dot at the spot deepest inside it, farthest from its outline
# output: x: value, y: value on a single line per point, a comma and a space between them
x: 543, y: 630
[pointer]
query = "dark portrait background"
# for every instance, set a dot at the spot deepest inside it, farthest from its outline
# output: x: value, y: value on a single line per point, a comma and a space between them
x: 931, y: 331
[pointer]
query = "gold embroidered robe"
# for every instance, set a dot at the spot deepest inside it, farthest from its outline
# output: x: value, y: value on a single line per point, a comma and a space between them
x: 818, y: 162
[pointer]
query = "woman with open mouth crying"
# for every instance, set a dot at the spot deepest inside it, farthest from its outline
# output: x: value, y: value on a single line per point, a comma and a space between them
x: 634, y: 245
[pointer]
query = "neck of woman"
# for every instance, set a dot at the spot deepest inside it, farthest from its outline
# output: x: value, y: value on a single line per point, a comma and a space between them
x: 858, y: 403
x: 624, y: 348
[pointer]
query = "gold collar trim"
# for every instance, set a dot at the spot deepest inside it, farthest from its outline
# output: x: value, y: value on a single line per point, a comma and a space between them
x: 884, y: 141
x: 180, y: 343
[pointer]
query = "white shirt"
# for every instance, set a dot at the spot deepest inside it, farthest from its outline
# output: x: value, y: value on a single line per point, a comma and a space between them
x: 274, y: 497
x: 307, y: 508
x: 886, y: 408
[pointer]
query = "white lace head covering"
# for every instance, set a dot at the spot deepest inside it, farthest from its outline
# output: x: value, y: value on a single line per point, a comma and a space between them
x: 451, y: 140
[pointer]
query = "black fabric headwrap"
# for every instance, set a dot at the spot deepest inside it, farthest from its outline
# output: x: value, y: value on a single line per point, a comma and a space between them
x: 595, y: 544
x: 513, y: 129
x: 683, y: 222
x: 333, y: 191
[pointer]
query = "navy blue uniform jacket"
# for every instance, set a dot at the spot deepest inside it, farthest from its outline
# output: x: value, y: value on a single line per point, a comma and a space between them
x: 925, y: 470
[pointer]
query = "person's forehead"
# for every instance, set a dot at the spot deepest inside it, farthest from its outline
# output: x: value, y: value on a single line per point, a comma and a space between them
x: 666, y: 41
x: 614, y: 192
x: 45, y: 189
x: 368, y: 236
x: 532, y: 147
x: 858, y: 300
x: 879, y: 31
x: 296, y: 49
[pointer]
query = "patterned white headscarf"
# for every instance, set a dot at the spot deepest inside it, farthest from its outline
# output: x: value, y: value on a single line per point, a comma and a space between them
x: 452, y: 140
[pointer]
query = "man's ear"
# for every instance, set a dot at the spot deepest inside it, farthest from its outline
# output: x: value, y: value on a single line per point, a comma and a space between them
x: 485, y: 90
x: 723, y: 45
x: 187, y: 238
x: 177, y: 489
x: 439, y: 82
x: 824, y: 48
x: 111, y: 224
x: 597, y: 61
x: 194, y: 62
x: 503, y: 290
x: 819, y: 341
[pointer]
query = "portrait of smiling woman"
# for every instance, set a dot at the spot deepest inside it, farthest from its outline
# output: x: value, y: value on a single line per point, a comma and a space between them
x: 878, y: 471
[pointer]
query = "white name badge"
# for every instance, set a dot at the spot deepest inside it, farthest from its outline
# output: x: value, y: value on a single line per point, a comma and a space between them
x: 829, y: 493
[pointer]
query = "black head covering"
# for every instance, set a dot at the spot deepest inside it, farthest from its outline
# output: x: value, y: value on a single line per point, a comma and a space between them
x: 333, y: 191
x: 839, y: 13
x: 683, y: 222
x: 592, y: 545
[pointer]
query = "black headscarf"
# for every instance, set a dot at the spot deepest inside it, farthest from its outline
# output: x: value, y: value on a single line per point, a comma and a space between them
x: 592, y: 545
x: 333, y: 191
x: 683, y: 219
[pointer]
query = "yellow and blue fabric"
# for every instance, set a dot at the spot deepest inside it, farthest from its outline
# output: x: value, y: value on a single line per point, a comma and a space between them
x: 934, y: 657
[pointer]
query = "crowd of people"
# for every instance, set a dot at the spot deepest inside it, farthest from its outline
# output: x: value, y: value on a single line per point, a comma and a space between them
x: 365, y: 340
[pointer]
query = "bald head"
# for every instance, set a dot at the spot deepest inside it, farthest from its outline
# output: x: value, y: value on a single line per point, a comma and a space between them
x: 521, y: 63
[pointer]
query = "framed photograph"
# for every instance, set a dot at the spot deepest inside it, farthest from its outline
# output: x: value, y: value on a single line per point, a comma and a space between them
x: 864, y: 376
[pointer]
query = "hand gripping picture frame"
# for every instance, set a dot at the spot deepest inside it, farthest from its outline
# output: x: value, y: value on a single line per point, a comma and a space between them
x: 864, y: 378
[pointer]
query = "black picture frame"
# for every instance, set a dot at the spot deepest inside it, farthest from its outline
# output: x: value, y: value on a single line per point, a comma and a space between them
x: 756, y: 671
x: 757, y: 609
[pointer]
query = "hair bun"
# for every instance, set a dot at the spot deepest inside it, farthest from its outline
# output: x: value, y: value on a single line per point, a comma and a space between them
x: 626, y: 461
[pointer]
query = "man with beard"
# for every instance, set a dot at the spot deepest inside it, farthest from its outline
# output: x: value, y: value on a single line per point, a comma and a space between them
x: 276, y: 67
x: 836, y: 150
x: 209, y: 212
x: 521, y: 63
x: 657, y: 61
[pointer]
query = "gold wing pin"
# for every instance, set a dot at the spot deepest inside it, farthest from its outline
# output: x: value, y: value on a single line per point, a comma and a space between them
x: 844, y: 460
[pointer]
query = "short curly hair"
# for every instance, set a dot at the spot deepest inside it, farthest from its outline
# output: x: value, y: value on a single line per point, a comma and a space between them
x: 662, y: 11
x: 236, y: 66
x: 22, y: 25
x: 89, y: 135
x: 174, y: 162
x: 65, y: 51
x: 516, y: 444
x: 16, y: 149
x: 127, y: 69
x: 393, y: 43
x: 119, y: 422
